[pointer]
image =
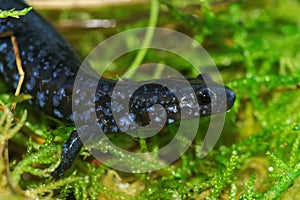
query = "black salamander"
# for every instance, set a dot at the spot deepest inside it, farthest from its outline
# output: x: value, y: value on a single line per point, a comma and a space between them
x: 51, y: 65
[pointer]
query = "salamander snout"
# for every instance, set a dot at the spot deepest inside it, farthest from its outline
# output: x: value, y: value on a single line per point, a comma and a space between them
x: 230, y: 98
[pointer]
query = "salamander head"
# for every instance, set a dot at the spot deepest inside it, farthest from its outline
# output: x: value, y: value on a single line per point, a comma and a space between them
x: 212, y: 97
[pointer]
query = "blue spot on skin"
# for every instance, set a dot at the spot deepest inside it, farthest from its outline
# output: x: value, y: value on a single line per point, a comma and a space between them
x: 70, y: 117
x: 56, y: 72
x: 76, y: 101
x: 62, y: 92
x: 46, y: 66
x: 114, y: 129
x: 56, y: 100
x: 35, y: 73
x: 1, y: 67
x: 15, y: 84
x: 154, y: 99
x: 87, y: 114
x: 16, y: 76
x: 69, y: 73
x: 3, y: 47
x: 41, y: 98
x: 10, y: 62
x: 30, y: 57
x: 57, y: 97
x: 30, y: 85
x: 58, y: 113
x: 31, y: 47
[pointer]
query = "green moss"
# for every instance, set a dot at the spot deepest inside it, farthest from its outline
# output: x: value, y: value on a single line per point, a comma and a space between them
x: 14, y: 13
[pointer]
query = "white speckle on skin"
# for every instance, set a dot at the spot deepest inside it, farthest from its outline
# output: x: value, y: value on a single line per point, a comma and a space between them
x: 170, y: 121
x: 82, y: 95
x: 157, y: 119
x: 183, y: 99
x: 152, y: 109
x: 173, y: 109
x: 76, y: 101
x: 213, y: 95
x: 87, y: 114
x: 89, y: 103
x: 125, y: 122
x: 118, y: 108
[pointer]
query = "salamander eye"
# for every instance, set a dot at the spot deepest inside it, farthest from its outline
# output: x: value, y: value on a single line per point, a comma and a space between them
x: 205, y: 95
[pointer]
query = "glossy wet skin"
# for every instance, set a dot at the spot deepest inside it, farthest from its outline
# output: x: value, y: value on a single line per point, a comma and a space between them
x: 51, y: 65
x: 148, y: 95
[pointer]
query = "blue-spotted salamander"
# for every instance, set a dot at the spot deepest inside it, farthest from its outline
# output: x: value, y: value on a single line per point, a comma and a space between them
x: 51, y: 65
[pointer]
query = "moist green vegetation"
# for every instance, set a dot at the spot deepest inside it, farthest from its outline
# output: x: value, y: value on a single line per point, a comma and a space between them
x: 14, y: 13
x: 256, y: 47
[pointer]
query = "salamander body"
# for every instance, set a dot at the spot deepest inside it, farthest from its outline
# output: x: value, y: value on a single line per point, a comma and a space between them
x: 51, y: 66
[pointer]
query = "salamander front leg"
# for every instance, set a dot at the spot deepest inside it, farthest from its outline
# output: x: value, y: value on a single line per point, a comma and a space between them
x: 69, y: 152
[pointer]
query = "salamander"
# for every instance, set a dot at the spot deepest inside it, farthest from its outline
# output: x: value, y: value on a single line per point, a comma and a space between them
x: 51, y: 66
